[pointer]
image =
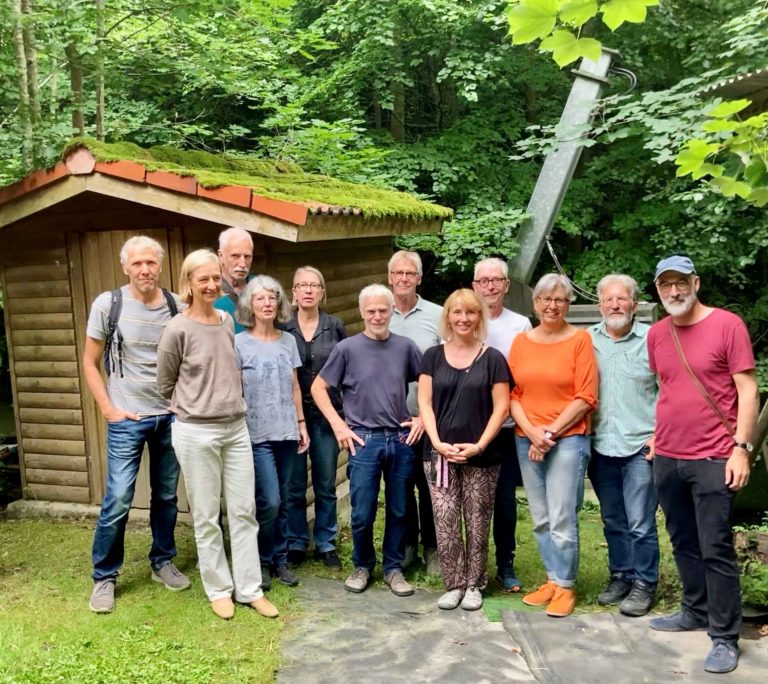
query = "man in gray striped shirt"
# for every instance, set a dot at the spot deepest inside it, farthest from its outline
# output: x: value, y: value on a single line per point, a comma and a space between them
x: 137, y: 416
x: 621, y: 468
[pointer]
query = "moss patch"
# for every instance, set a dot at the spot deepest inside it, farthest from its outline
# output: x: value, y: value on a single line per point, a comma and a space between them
x: 267, y: 178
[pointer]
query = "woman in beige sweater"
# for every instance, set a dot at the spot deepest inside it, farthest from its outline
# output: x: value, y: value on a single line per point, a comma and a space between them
x: 197, y: 371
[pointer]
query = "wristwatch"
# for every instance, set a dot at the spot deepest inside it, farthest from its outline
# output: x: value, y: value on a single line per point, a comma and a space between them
x: 747, y: 446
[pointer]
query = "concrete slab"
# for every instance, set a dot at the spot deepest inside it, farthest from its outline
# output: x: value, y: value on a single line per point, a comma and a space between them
x: 609, y: 647
x: 376, y: 637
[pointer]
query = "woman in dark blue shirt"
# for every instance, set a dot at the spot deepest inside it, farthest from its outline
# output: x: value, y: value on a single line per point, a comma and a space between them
x: 316, y: 333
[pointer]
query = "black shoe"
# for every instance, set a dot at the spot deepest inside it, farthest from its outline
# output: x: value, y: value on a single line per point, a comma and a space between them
x: 285, y: 575
x: 330, y: 559
x: 296, y: 557
x: 683, y: 621
x: 266, y: 578
x: 616, y: 590
x: 639, y: 600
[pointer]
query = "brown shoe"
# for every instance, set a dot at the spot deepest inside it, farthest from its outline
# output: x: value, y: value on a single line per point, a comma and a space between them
x: 562, y: 603
x: 224, y: 608
x: 542, y: 596
x: 264, y: 607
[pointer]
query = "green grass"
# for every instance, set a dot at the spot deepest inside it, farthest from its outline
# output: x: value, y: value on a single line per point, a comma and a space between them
x: 48, y: 634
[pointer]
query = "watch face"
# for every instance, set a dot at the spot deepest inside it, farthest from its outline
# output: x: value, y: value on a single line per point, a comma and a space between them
x: 749, y: 447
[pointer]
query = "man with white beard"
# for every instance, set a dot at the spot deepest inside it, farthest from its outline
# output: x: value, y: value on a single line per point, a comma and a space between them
x: 705, y: 425
x: 621, y: 467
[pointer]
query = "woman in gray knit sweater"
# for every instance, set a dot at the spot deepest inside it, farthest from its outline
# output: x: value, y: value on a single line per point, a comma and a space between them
x: 196, y: 370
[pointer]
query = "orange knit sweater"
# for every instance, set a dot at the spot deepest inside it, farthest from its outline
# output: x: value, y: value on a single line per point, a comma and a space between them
x: 548, y: 377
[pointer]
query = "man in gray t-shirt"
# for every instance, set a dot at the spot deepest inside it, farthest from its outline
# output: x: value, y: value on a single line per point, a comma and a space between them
x: 136, y: 415
x: 373, y: 368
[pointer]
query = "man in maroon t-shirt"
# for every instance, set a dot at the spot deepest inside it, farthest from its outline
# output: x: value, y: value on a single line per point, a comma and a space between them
x: 703, y: 449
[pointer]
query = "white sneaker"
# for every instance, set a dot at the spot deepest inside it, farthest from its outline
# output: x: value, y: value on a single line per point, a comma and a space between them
x: 473, y: 599
x: 450, y: 599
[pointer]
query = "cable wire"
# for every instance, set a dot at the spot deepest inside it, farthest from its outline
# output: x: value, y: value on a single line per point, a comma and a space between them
x: 585, y: 294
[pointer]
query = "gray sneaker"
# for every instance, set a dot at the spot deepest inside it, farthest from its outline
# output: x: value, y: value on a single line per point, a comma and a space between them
x: 398, y: 584
x: 450, y: 599
x: 357, y: 582
x: 473, y: 599
x: 170, y: 576
x: 103, y: 596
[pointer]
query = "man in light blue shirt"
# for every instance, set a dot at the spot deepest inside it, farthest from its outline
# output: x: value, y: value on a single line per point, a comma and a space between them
x: 621, y: 468
x: 417, y: 319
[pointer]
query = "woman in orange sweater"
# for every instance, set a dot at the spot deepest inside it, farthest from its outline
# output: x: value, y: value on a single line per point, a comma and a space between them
x: 556, y: 374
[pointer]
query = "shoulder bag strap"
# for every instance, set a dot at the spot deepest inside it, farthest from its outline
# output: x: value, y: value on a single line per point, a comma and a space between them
x: 697, y: 383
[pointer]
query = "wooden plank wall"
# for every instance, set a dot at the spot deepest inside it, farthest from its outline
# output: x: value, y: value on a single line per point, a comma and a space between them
x: 44, y: 368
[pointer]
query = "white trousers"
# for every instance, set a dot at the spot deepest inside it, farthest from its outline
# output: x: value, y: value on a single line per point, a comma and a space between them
x: 215, y: 456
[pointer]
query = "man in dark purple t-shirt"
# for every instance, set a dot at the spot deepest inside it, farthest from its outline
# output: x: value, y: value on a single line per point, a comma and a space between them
x: 705, y: 424
x: 373, y: 369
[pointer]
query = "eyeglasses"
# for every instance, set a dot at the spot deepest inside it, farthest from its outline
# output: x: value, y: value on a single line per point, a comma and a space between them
x: 681, y: 284
x: 621, y: 301
x: 557, y: 301
x: 485, y: 282
x: 265, y: 299
x: 404, y: 274
x: 315, y: 287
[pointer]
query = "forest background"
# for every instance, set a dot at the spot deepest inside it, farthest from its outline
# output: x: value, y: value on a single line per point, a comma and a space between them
x: 428, y: 96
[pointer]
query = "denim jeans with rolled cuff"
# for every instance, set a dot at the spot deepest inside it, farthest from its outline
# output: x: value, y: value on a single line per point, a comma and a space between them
x: 555, y: 491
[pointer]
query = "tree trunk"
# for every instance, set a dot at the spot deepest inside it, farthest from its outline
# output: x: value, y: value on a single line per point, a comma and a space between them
x: 76, y: 83
x: 397, y: 125
x: 100, y: 69
x: 30, y: 53
x: 27, y: 139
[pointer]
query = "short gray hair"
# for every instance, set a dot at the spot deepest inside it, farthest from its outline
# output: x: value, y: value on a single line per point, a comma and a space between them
x: 492, y: 261
x: 405, y: 254
x: 627, y: 282
x: 226, y: 235
x: 552, y: 281
x: 244, y: 311
x: 141, y: 242
x: 375, y: 290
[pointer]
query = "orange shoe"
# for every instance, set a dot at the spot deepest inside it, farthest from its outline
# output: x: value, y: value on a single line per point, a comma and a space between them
x: 563, y: 603
x: 542, y: 596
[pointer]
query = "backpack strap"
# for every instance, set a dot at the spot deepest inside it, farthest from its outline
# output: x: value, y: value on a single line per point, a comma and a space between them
x: 115, y: 307
x: 170, y: 300
x: 227, y: 289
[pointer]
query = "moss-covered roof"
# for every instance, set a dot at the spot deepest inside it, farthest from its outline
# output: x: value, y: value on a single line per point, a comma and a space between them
x: 269, y: 178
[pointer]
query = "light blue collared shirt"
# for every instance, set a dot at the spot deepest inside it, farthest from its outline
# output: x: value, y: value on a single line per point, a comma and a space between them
x: 625, y: 417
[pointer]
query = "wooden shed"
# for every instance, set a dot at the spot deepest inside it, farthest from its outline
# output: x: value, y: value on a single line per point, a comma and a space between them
x: 60, y: 233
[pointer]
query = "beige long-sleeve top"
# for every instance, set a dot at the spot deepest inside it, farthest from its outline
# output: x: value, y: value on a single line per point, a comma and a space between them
x: 197, y: 371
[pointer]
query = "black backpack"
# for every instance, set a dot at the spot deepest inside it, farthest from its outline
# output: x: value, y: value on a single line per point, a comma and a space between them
x: 115, y: 337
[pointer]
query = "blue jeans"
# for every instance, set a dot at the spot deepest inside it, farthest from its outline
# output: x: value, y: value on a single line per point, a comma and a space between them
x: 386, y: 452
x: 697, y: 506
x: 555, y: 491
x: 274, y: 464
x: 125, y: 444
x: 324, y: 460
x: 624, y: 487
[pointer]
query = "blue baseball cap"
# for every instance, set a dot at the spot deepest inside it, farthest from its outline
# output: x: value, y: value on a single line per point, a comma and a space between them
x: 680, y: 264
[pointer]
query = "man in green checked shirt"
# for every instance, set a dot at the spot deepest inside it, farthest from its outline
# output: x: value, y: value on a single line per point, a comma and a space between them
x: 621, y: 468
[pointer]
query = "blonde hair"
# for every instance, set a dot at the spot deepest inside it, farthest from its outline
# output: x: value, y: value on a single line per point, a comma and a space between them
x: 315, y: 271
x: 194, y: 260
x: 244, y: 309
x: 470, y: 301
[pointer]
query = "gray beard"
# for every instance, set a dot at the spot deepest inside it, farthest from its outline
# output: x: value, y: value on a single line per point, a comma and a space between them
x: 616, y: 322
x: 679, y: 308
